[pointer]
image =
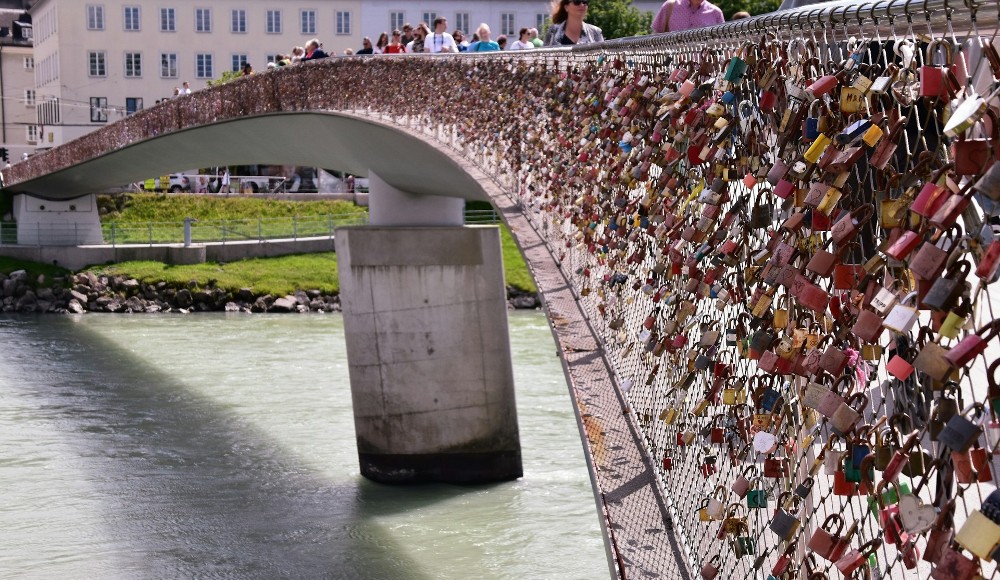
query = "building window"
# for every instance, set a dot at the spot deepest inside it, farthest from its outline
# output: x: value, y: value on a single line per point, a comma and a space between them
x: 238, y: 61
x: 131, y: 18
x: 95, y: 17
x: 29, y: 62
x: 462, y: 21
x: 429, y: 18
x: 203, y: 66
x: 31, y: 133
x: 308, y: 21
x: 507, y: 23
x: 273, y: 22
x: 168, y: 21
x: 49, y: 112
x: 239, y: 20
x: 133, y: 64
x: 132, y: 105
x: 98, y: 63
x: 343, y: 22
x: 168, y: 65
x: 203, y: 20
x: 272, y: 58
x: 98, y: 109
x: 395, y: 21
x: 29, y: 97
x: 540, y: 22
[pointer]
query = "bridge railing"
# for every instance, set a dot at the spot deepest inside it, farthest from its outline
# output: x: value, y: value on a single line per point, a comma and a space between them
x: 205, y: 231
x: 751, y: 217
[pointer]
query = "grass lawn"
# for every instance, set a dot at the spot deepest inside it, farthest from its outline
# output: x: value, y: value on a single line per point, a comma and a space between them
x: 143, y: 208
x: 277, y: 276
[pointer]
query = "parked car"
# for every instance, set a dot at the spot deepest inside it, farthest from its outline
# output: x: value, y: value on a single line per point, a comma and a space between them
x: 179, y: 182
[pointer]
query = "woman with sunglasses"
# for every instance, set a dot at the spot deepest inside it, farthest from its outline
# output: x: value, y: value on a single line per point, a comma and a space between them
x: 568, y: 27
x: 396, y: 46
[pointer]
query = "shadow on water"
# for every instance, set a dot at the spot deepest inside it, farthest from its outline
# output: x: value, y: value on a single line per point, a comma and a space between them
x: 191, y: 490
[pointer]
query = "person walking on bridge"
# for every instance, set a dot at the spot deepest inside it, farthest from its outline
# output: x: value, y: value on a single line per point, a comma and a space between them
x: 440, y: 40
x: 677, y: 15
x: 568, y: 27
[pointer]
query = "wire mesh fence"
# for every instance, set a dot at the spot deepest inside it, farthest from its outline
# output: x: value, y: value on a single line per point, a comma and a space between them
x: 777, y: 236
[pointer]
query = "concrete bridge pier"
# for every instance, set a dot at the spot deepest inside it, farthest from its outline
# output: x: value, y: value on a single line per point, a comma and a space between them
x: 64, y: 222
x: 425, y: 317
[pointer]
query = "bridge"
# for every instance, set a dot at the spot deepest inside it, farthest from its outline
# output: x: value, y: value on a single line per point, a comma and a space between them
x: 761, y: 248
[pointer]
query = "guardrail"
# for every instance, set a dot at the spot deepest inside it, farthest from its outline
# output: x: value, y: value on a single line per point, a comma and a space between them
x: 215, y: 231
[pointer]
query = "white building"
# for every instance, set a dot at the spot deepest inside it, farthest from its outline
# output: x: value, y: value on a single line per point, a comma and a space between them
x: 508, y: 18
x: 98, y: 60
x: 18, y: 129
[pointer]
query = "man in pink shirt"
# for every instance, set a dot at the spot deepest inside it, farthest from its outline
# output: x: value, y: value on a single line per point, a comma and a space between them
x: 677, y: 15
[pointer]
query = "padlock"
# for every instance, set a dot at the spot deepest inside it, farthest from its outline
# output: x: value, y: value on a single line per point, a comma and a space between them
x: 785, y: 523
x: 827, y: 542
x: 979, y: 535
x: 832, y: 400
x: 743, y: 481
x: 854, y: 559
x: 848, y: 413
x: 960, y: 433
x: 776, y: 467
x: 932, y: 362
x: 756, y: 496
x: 902, y: 316
x: 781, y: 565
x: 743, y: 542
x: 804, y: 488
x: 936, y: 81
x: 889, y: 517
x: 710, y: 569
x: 972, y: 345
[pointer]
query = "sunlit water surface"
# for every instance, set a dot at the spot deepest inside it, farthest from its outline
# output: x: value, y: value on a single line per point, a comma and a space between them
x: 222, y: 446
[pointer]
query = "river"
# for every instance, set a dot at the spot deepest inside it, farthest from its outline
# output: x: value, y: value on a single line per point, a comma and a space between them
x: 222, y: 446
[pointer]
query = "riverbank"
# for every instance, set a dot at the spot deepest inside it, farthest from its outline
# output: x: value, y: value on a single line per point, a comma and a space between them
x: 87, y: 291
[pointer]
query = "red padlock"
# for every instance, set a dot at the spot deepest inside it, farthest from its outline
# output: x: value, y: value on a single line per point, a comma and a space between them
x: 972, y: 345
x: 901, y: 458
x: 988, y: 266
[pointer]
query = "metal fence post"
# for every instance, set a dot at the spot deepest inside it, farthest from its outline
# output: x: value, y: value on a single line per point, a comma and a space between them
x: 295, y: 227
x: 260, y: 230
x: 114, y: 233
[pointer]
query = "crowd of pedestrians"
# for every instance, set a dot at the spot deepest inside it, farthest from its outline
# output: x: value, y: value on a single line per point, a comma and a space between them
x: 568, y: 28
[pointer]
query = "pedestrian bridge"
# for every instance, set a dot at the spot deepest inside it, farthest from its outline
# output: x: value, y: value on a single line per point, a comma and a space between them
x: 725, y: 225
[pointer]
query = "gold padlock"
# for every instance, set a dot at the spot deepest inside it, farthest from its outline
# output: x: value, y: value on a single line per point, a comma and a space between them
x: 979, y: 535
x: 817, y: 148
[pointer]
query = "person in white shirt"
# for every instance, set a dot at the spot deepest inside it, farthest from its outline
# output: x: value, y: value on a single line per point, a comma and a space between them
x: 186, y: 88
x: 440, y: 40
x: 523, y: 42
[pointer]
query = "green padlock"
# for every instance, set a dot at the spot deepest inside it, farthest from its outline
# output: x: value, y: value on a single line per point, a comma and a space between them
x: 736, y: 70
x: 757, y: 497
x: 889, y: 497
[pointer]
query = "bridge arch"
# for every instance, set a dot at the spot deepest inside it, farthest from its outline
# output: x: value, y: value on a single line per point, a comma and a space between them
x: 407, y: 160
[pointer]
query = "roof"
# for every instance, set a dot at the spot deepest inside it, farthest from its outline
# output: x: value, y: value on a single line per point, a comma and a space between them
x: 7, y: 19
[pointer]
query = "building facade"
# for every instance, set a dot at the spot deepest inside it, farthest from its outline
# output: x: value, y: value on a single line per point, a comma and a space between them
x: 97, y: 61
x: 18, y: 128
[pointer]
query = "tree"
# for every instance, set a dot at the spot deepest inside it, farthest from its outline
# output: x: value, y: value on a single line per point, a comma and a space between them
x: 618, y: 18
x: 227, y: 76
x: 754, y: 7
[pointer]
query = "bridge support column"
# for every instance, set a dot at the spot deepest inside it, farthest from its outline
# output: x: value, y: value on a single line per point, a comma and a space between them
x: 66, y: 222
x: 428, y: 350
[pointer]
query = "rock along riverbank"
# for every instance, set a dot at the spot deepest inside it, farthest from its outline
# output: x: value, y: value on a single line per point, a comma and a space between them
x: 88, y: 292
